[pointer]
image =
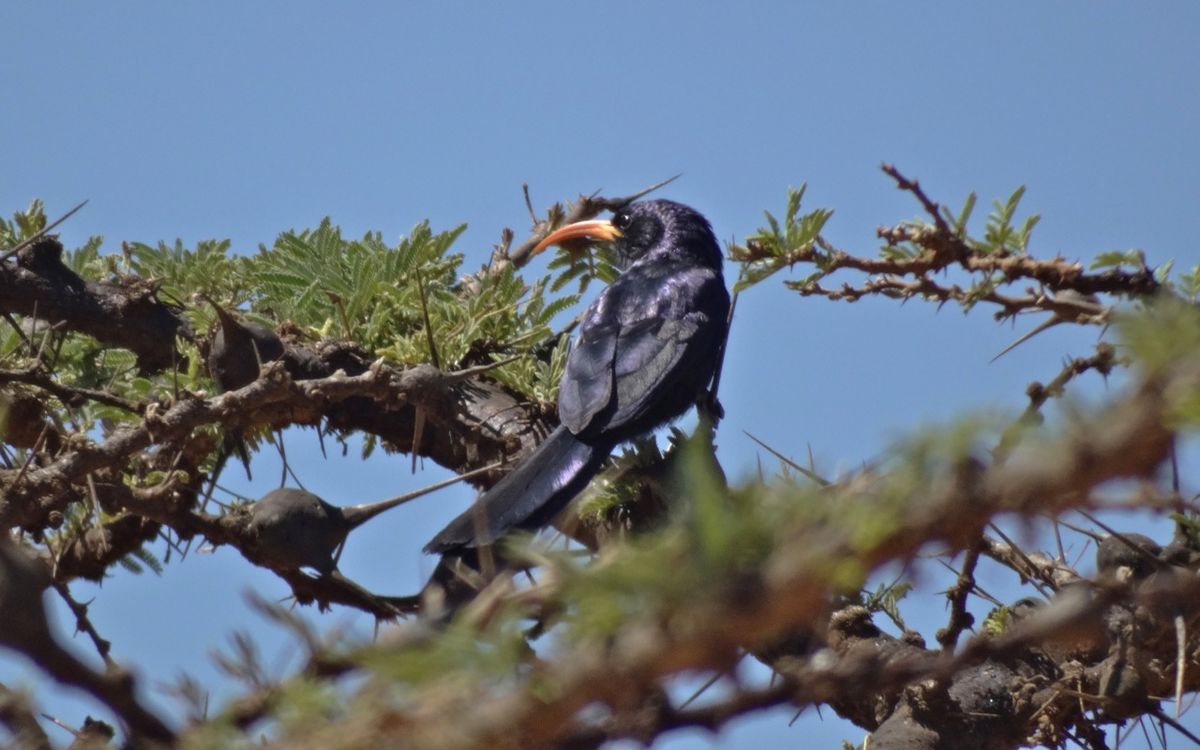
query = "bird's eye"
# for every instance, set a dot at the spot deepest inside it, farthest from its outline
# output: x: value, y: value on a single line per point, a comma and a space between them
x: 622, y: 220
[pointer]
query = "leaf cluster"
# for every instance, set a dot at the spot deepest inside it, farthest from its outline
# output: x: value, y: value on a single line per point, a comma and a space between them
x: 727, y: 544
x: 402, y: 301
x: 780, y: 245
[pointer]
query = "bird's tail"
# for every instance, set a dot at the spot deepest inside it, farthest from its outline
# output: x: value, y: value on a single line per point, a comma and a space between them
x: 529, y: 497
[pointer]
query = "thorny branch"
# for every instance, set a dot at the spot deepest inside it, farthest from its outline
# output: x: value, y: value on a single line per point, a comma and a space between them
x: 1103, y: 362
x: 1006, y: 687
x: 960, y: 618
x: 921, y: 252
x: 125, y: 313
x: 1014, y: 686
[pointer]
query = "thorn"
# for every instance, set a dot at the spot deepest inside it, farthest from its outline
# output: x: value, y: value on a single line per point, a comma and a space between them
x: 810, y: 474
x: 26, y: 243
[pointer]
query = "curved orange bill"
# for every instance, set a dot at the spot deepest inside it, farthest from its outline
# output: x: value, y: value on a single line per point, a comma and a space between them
x: 597, y: 229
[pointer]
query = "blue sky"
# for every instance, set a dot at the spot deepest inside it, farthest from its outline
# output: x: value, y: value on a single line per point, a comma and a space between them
x: 242, y: 120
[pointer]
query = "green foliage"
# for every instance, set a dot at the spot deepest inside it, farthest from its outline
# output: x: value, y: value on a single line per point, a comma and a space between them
x: 711, y: 517
x: 538, y: 377
x: 1189, y: 284
x: 958, y: 222
x: 1000, y: 235
x: 998, y: 620
x: 182, y: 272
x: 583, y: 265
x: 1189, y: 527
x: 86, y: 260
x: 137, y: 561
x: 363, y: 290
x: 1159, y: 337
x: 458, y: 653
x: 1161, y: 334
x: 886, y: 598
x: 24, y: 224
x: 1134, y: 259
x: 308, y: 705
x: 621, y: 484
x: 778, y: 246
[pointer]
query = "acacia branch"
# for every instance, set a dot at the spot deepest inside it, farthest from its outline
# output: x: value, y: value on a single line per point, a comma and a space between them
x: 69, y: 395
x: 125, y: 313
x: 483, y: 421
x: 789, y: 591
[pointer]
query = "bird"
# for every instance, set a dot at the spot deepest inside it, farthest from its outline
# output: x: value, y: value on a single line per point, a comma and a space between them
x: 646, y: 350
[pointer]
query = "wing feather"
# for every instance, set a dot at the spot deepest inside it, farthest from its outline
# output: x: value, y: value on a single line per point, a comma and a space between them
x: 586, y: 386
x: 639, y: 362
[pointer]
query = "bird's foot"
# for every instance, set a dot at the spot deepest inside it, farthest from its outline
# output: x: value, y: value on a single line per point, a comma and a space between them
x: 710, y: 406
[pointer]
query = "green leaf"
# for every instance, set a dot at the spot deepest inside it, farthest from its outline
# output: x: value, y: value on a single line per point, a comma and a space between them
x: 1000, y: 237
x: 1162, y: 274
x: 1189, y: 283
x: 1117, y: 258
x: 775, y: 246
x: 964, y: 216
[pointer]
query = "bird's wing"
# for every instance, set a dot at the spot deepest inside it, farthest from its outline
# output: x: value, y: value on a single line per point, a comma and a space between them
x: 637, y: 364
x: 654, y: 359
x: 586, y: 386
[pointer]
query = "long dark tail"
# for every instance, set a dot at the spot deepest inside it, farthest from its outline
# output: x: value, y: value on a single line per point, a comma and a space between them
x: 528, y: 498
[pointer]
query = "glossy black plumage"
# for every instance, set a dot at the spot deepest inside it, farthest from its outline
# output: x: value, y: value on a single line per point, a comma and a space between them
x: 646, y: 350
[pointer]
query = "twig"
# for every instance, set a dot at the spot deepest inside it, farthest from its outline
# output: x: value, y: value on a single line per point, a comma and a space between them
x: 433, y: 352
x: 30, y: 240
x: 67, y: 394
x: 914, y: 187
x: 806, y: 472
x: 1154, y: 561
x: 83, y: 623
x: 1067, y: 307
x: 1102, y: 361
x: 477, y: 370
x: 1027, y: 569
x: 960, y: 619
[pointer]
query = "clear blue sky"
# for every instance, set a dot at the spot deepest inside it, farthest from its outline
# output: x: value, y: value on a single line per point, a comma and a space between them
x: 241, y: 120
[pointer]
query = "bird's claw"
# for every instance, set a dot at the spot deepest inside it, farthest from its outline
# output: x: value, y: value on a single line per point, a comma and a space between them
x: 710, y: 405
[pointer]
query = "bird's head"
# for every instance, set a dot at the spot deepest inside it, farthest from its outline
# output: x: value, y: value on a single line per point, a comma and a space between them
x: 653, y: 230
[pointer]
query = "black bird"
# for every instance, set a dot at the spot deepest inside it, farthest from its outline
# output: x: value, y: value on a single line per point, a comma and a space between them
x: 646, y: 351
